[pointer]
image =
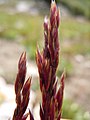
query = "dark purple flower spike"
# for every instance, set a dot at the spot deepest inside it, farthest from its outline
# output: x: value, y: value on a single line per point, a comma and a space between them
x: 47, y: 62
x: 22, y: 90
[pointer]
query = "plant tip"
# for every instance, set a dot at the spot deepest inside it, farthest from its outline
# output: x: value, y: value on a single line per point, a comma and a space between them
x: 53, y: 1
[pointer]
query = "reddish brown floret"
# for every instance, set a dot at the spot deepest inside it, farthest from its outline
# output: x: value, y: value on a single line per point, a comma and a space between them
x: 47, y: 62
x: 22, y: 90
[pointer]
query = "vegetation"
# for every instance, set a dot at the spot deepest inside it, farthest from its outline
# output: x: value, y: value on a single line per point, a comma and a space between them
x: 74, y: 32
x: 24, y: 29
x: 72, y: 111
x: 27, y: 30
x: 77, y: 7
x: 47, y: 63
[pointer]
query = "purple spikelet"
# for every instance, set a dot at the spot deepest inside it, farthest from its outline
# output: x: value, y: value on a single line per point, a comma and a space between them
x: 47, y: 62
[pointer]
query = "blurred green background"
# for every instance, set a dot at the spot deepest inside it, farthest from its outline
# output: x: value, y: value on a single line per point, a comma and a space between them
x: 23, y: 23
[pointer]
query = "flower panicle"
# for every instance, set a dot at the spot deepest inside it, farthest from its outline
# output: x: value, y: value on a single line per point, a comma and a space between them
x: 22, y: 90
x: 47, y: 63
x: 21, y: 73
